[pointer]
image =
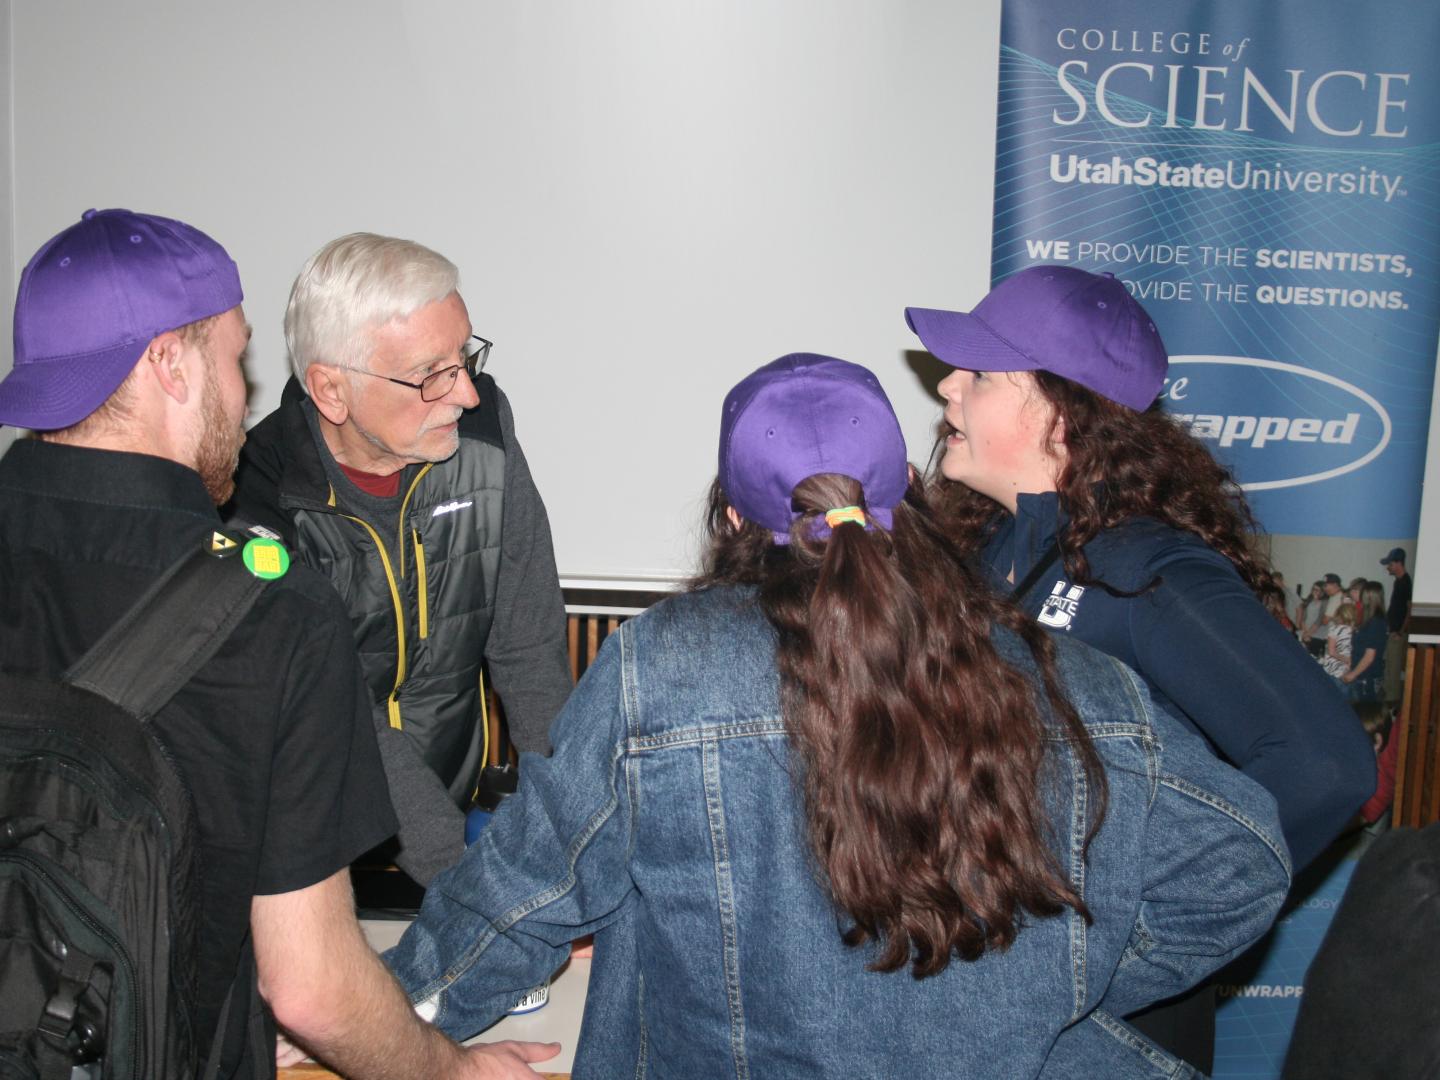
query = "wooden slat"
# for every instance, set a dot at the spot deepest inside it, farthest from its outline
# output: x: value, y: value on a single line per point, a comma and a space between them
x: 1421, y: 717
x: 1430, y: 717
x: 1415, y: 724
x: 1401, y: 731
x: 572, y: 642
x: 1415, y: 767
x: 592, y: 639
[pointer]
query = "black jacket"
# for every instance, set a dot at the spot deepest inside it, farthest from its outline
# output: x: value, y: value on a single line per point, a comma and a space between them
x: 451, y: 591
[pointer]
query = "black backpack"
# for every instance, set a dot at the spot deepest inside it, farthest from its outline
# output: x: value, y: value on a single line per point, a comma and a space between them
x: 99, y: 890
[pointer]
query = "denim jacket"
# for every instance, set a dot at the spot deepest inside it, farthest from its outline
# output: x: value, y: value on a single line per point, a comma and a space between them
x: 667, y: 823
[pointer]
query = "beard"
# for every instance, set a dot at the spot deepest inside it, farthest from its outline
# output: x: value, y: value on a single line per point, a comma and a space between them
x: 219, y: 451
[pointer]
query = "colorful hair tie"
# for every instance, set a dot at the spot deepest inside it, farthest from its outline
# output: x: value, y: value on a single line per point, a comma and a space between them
x: 843, y: 514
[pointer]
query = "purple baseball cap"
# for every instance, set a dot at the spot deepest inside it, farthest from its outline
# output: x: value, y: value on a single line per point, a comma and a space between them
x: 92, y: 299
x: 1082, y: 326
x: 800, y: 416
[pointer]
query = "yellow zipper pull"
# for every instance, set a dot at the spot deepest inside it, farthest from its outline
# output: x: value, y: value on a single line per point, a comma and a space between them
x: 421, y: 586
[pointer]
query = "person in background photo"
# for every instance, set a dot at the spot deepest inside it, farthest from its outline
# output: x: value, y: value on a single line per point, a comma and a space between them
x: 392, y: 467
x: 1397, y: 616
x: 1334, y: 597
x: 1307, y: 619
x: 1352, y: 591
x: 1366, y: 676
x: 1274, y: 600
x: 840, y: 810
x: 1112, y: 524
x: 1378, y: 721
x: 1338, y: 642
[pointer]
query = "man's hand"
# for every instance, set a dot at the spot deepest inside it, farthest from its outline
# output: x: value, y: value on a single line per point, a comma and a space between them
x: 335, y: 998
x: 509, y: 1060
x: 287, y: 1053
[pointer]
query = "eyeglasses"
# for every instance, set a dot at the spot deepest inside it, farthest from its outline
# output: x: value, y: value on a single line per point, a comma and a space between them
x: 473, y: 355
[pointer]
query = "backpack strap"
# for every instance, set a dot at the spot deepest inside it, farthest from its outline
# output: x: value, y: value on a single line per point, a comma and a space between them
x: 168, y: 634
x: 171, y: 631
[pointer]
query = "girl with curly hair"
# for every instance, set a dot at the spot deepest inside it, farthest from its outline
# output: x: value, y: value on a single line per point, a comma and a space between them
x: 1112, y: 524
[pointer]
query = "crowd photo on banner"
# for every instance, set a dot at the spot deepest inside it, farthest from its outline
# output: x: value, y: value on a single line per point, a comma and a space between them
x: 1009, y: 754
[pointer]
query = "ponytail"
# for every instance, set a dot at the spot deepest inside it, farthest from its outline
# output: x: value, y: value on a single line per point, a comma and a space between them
x: 921, y: 749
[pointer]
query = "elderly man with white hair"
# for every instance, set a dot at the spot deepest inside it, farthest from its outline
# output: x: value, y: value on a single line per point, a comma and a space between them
x: 392, y: 467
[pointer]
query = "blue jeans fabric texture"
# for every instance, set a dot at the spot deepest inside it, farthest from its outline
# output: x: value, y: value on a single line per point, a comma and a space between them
x: 667, y: 822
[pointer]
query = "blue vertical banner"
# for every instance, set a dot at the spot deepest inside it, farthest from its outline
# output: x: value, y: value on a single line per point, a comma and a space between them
x: 1265, y: 179
x: 1259, y: 994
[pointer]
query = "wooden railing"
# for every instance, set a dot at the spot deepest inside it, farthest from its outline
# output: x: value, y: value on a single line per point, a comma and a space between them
x: 584, y: 636
x: 1417, y: 780
x: 1417, y: 768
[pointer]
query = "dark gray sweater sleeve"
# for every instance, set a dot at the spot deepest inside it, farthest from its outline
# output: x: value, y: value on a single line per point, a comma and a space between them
x: 432, y: 828
x: 526, y: 652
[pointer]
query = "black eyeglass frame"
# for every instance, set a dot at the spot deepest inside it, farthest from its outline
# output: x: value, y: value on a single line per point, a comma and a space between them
x: 473, y: 365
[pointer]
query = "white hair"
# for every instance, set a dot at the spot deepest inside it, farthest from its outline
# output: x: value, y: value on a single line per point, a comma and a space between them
x: 354, y: 284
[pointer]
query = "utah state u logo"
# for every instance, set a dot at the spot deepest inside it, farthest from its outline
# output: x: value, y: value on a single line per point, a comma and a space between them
x: 1061, y: 605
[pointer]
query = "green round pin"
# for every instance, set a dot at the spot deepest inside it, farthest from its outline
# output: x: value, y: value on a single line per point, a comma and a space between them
x: 266, y: 559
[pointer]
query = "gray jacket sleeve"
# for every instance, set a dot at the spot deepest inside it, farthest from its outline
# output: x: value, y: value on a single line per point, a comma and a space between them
x: 526, y: 651
x: 432, y: 828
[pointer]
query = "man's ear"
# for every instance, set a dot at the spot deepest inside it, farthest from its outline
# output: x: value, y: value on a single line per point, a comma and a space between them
x: 165, y: 356
x: 330, y: 391
x: 733, y: 516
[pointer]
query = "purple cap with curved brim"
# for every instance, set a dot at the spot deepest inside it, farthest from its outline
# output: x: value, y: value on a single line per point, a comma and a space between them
x: 1082, y: 326
x: 804, y: 415
x: 92, y: 299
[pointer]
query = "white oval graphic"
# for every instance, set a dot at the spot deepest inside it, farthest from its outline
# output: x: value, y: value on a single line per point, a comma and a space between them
x: 1319, y: 376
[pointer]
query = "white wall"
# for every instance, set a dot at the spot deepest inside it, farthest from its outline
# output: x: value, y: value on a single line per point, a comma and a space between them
x: 7, y: 205
x: 646, y: 198
x: 1427, y: 563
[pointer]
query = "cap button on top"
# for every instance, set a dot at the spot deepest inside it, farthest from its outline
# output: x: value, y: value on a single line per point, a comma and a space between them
x: 89, y: 214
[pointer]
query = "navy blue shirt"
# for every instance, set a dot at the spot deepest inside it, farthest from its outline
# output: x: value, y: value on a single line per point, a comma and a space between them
x: 1210, y: 654
x: 1372, y: 634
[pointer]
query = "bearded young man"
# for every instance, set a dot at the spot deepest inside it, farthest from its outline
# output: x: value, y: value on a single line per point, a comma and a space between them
x: 129, y: 343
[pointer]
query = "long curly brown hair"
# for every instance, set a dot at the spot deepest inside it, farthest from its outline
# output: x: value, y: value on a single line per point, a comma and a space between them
x: 921, y: 750
x: 1120, y: 464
